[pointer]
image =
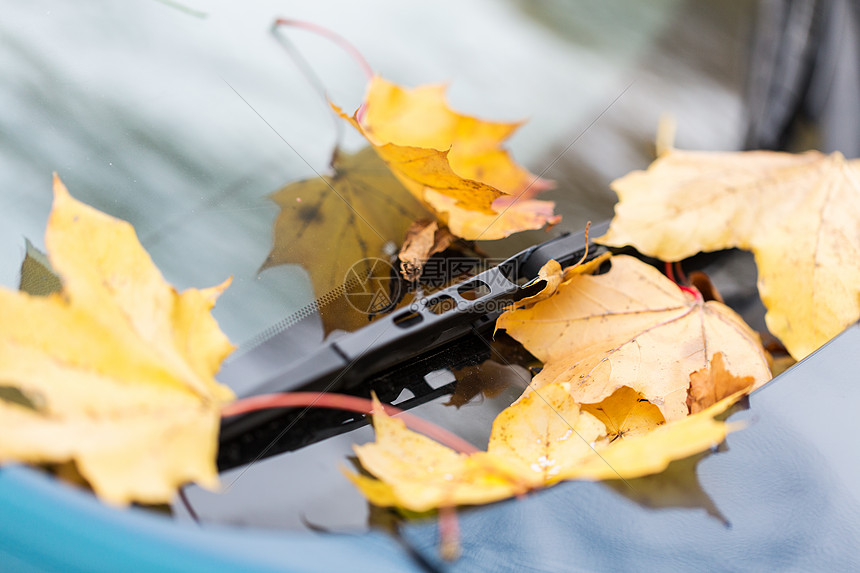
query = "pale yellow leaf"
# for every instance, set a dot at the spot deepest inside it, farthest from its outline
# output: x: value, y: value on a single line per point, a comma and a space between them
x: 541, y: 439
x: 546, y: 432
x: 799, y: 214
x: 423, y: 474
x: 123, y: 366
x: 632, y: 327
x: 652, y: 452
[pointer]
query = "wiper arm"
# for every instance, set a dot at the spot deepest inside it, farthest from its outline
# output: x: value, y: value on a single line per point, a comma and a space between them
x: 430, y: 326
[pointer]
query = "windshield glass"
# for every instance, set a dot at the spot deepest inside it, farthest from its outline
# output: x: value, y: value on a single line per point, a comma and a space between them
x: 192, y: 123
x: 184, y: 122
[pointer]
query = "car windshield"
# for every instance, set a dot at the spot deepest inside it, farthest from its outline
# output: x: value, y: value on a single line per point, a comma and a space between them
x: 185, y: 123
x: 187, y: 119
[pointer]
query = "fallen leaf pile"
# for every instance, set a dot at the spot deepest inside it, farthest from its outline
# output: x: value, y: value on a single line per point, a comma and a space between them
x: 540, y: 440
x: 425, y: 161
x: 623, y: 353
x: 799, y: 214
x: 107, y: 371
x: 116, y: 371
x: 634, y: 367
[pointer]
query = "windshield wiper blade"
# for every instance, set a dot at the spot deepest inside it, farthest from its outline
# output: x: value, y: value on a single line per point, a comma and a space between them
x: 348, y: 363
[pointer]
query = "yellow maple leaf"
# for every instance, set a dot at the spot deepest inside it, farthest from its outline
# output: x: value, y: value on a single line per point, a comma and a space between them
x: 548, y: 421
x: 118, y: 367
x: 651, y: 452
x: 552, y: 275
x: 511, y: 213
x: 452, y: 162
x: 420, y: 474
x: 799, y: 215
x: 541, y: 439
x: 546, y: 432
x: 632, y: 327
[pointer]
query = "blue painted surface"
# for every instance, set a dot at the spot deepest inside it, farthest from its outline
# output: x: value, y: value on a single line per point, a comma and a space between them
x: 787, y: 485
x: 47, y: 526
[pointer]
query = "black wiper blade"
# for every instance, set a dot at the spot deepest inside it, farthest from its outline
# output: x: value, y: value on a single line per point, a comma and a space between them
x: 427, y: 325
x: 405, y: 386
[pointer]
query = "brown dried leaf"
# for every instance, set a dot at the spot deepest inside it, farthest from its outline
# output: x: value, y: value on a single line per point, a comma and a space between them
x: 702, y: 283
x: 713, y: 383
x: 423, y: 240
x: 340, y: 223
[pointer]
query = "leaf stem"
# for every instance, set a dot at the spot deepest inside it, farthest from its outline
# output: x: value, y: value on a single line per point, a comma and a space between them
x: 585, y: 254
x: 336, y: 38
x: 671, y: 268
x: 682, y: 278
x: 312, y: 78
x: 188, y: 507
x: 670, y: 272
x: 349, y: 403
x: 449, y: 533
